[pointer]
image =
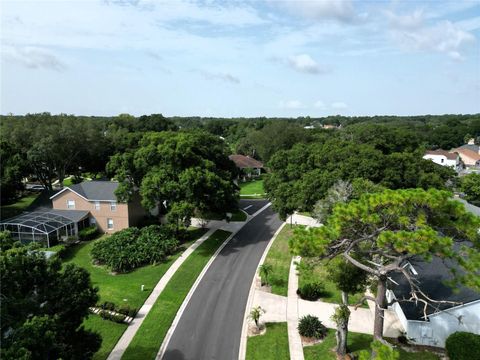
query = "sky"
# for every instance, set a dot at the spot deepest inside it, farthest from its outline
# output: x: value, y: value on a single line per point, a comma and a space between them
x: 240, y: 58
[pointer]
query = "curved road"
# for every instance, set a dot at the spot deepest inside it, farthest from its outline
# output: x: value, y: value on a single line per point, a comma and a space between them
x: 211, y: 326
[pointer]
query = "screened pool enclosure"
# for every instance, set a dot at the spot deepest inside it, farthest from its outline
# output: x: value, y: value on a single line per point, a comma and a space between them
x: 47, y: 226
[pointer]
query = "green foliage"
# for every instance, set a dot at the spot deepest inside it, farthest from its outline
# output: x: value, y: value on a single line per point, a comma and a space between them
x: 382, y: 352
x: 311, y: 327
x: 43, y: 307
x: 470, y: 185
x: 265, y: 271
x: 346, y: 276
x: 463, y: 346
x: 88, y: 233
x: 11, y: 172
x: 107, y: 315
x: 273, y: 345
x: 130, y: 248
x: 341, y: 314
x: 180, y: 172
x: 311, y: 290
x: 255, y: 314
x: 7, y: 241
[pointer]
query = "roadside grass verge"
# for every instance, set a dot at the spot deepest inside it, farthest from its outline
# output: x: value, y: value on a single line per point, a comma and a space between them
x: 16, y: 208
x: 252, y: 189
x: 356, y: 342
x: 150, y: 335
x: 317, y: 272
x: 280, y: 258
x: 273, y: 345
x: 124, y: 288
x: 109, y: 331
x: 239, y: 216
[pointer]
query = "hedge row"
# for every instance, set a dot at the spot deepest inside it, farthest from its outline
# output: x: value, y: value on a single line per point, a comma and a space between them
x: 123, y: 309
x: 88, y: 233
x: 131, y: 248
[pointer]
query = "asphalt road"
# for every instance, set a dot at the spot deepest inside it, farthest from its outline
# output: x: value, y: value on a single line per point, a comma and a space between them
x: 251, y: 206
x: 211, y: 326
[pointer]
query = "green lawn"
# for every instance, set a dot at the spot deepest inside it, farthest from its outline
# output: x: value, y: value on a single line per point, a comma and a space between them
x: 150, y: 335
x: 108, y: 330
x: 239, y: 216
x: 123, y: 288
x: 11, y: 210
x: 252, y: 189
x: 356, y: 342
x: 318, y: 272
x: 68, y: 182
x: 279, y: 257
x: 273, y: 345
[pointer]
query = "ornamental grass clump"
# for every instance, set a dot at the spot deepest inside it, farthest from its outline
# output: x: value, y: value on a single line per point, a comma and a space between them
x: 310, y: 326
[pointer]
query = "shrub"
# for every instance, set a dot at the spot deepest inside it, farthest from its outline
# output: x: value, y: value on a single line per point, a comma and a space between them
x: 88, y: 233
x: 311, y: 291
x: 118, y: 318
x: 462, y: 346
x: 310, y: 326
x: 130, y: 248
x: 107, y: 305
x: 127, y: 310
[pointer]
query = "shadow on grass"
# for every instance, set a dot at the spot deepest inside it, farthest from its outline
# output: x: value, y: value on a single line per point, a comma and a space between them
x: 71, y: 251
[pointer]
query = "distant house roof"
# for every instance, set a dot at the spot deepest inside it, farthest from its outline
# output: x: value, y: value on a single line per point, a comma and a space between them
x: 242, y: 161
x: 467, y: 152
x: 472, y: 147
x: 94, y: 190
x: 448, y: 155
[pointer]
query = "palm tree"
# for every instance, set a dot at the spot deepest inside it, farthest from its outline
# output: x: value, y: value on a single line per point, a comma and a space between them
x: 255, y: 314
x: 265, y: 270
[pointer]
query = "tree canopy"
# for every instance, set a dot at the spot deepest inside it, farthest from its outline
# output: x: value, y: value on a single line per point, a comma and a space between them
x: 43, y: 307
x: 380, y: 232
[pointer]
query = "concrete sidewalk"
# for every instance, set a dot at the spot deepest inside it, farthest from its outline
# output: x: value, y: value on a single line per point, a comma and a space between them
x: 297, y: 219
x: 294, y: 340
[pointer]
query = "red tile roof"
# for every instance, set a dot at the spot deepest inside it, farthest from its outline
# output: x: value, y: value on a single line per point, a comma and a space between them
x: 243, y: 161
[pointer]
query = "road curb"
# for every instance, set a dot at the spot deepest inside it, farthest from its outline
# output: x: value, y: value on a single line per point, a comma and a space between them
x: 243, y: 340
x: 180, y: 312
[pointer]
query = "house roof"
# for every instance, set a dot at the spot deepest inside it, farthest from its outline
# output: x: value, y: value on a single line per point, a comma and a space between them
x: 94, y: 190
x: 467, y: 152
x: 242, y: 161
x: 448, y: 155
x: 472, y: 147
x: 432, y: 277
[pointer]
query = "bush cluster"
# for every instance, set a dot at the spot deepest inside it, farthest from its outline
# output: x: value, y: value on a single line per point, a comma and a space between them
x: 88, y: 233
x: 310, y: 326
x: 311, y: 290
x: 463, y: 346
x: 106, y: 315
x: 123, y: 309
x: 131, y: 248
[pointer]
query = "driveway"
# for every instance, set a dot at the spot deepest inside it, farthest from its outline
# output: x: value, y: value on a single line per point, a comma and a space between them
x: 211, y: 326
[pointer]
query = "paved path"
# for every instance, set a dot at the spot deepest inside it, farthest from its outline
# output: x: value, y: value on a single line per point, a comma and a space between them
x: 294, y: 339
x: 297, y: 219
x: 211, y: 325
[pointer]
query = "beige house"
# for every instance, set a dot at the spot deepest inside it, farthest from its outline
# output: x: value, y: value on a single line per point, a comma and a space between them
x: 469, y: 153
x: 99, y: 199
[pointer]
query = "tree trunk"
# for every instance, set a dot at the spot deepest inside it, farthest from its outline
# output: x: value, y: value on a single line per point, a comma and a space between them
x: 341, y: 335
x: 379, y: 306
x: 345, y: 298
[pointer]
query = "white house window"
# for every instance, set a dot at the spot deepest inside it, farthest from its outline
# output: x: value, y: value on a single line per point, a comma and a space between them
x: 97, y: 205
x: 113, y: 206
x: 441, y: 160
x: 70, y: 204
x: 109, y: 224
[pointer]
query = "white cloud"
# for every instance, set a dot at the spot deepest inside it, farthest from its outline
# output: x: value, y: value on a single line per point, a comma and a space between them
x: 319, y: 105
x: 227, y: 77
x: 304, y: 63
x: 291, y: 104
x: 339, y: 10
x: 413, y: 34
x: 339, y: 105
x: 32, y: 57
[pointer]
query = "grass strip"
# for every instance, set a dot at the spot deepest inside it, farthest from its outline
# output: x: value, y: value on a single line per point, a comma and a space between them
x: 273, y: 345
x: 356, y: 342
x: 16, y: 208
x: 109, y: 331
x: 279, y: 257
x: 252, y: 188
x: 150, y: 335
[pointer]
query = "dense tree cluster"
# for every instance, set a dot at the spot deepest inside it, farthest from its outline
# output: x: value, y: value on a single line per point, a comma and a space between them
x: 43, y: 306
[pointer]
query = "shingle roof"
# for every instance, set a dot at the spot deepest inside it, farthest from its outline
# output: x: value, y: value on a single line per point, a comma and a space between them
x: 448, y: 155
x: 472, y: 147
x: 467, y: 152
x: 96, y: 190
x: 242, y: 161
